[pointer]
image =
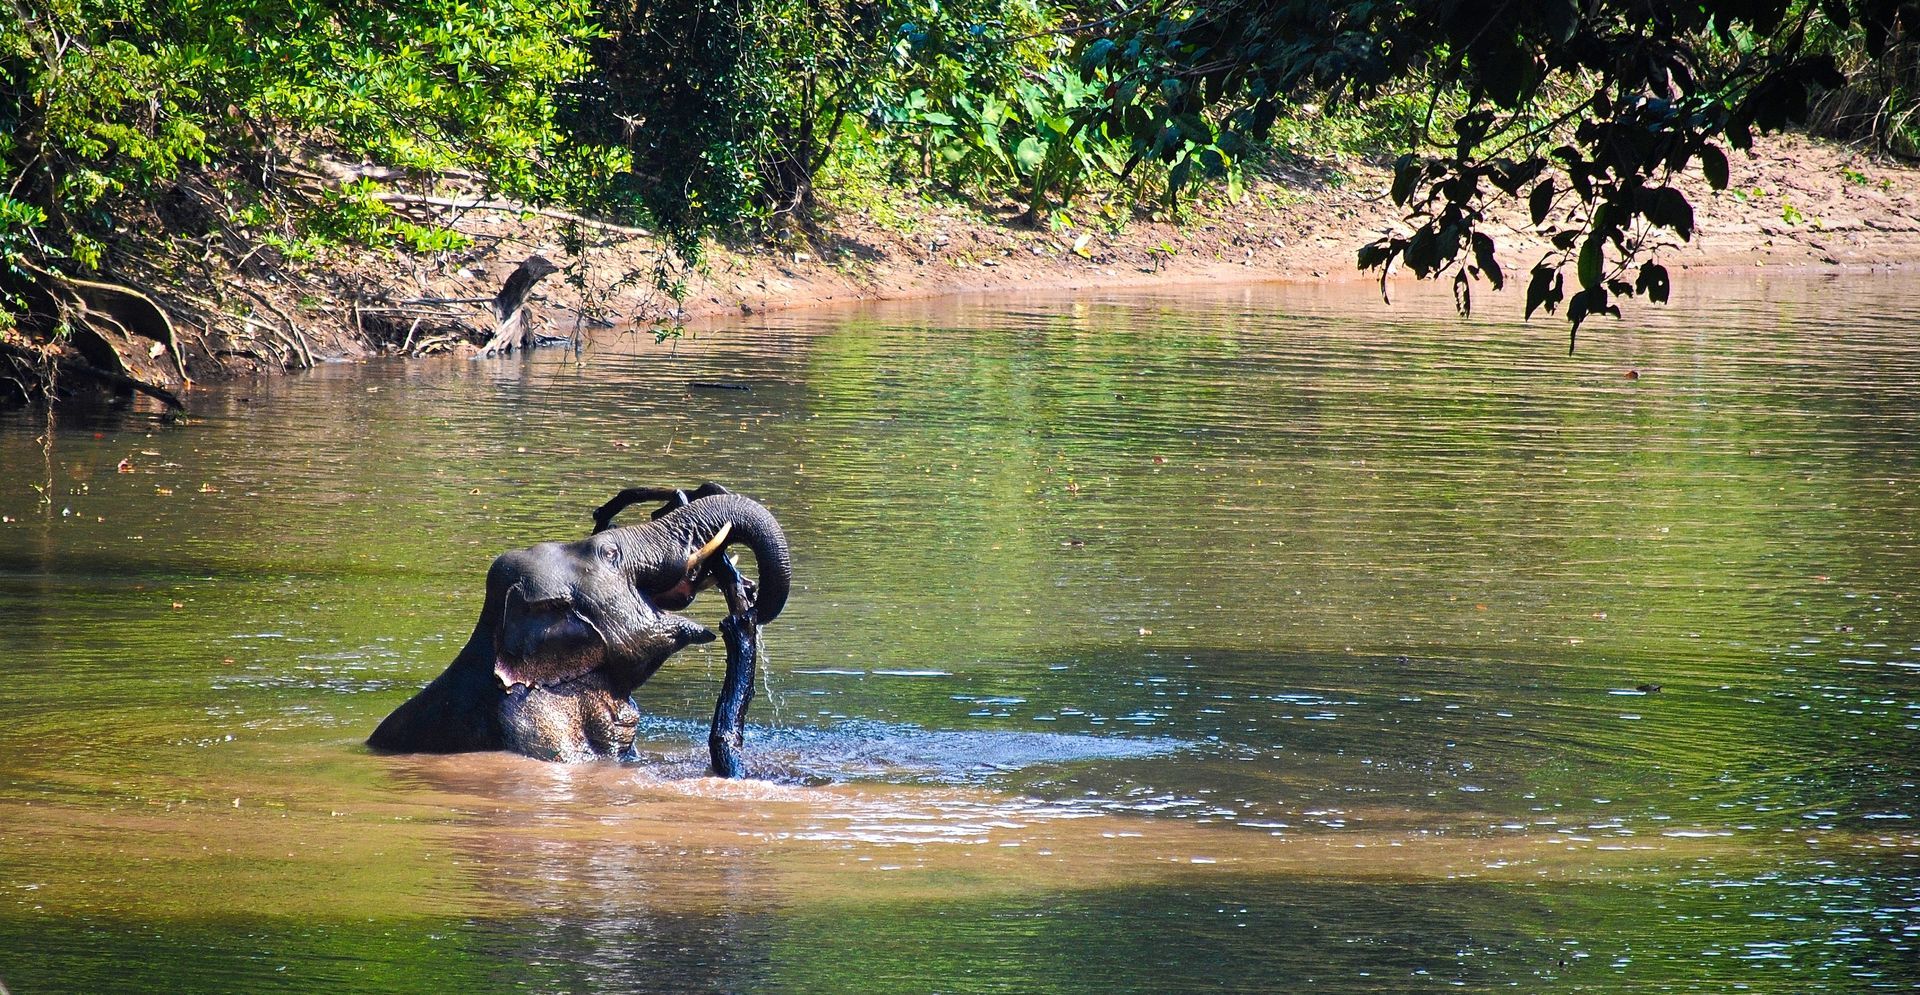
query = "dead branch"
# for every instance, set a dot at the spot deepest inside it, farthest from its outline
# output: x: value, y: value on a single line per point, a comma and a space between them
x: 509, y: 307
x: 299, y: 341
x: 510, y: 207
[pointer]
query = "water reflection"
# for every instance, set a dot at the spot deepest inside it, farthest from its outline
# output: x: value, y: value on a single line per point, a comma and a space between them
x: 1259, y: 635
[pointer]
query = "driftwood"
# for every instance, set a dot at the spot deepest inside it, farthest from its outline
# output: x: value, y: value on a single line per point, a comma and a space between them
x: 509, y: 308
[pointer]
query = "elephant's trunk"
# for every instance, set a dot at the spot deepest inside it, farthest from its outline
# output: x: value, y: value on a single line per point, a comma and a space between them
x: 661, y: 547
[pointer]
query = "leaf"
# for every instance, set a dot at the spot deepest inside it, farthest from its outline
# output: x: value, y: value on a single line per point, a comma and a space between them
x: 1095, y: 56
x: 1543, y: 289
x: 1483, y: 255
x: 1540, y: 201
x: 1582, y: 183
x: 1713, y: 162
x: 1585, y: 304
x: 1178, y: 176
x: 1030, y: 154
x: 1668, y: 208
x: 1405, y: 173
x: 1562, y: 19
x: 1653, y: 282
x: 1588, y: 266
x: 1375, y: 253
x: 1422, y: 253
x: 1194, y: 129
x: 1463, y: 294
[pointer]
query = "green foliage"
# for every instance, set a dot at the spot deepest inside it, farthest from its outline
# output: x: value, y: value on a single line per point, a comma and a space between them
x: 107, y: 102
x: 18, y: 219
x: 17, y: 222
x: 732, y: 115
x: 355, y: 214
x: 1880, y: 101
x: 705, y: 118
x: 1026, y: 141
x: 989, y: 100
x: 682, y: 89
x: 731, y: 112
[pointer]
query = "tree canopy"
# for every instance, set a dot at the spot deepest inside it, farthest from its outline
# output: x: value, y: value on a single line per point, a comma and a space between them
x: 1586, y: 109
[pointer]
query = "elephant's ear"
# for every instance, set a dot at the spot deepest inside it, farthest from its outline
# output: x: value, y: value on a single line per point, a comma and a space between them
x: 568, y: 648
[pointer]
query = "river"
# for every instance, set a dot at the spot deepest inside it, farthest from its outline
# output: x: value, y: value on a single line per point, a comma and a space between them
x: 1227, y: 639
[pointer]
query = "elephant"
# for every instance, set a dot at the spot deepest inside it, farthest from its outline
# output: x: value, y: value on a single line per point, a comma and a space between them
x: 568, y: 630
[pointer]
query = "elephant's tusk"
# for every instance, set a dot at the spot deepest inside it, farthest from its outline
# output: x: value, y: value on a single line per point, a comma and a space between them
x: 713, y: 545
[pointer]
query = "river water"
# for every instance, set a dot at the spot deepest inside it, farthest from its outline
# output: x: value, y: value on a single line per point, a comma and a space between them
x: 1245, y: 639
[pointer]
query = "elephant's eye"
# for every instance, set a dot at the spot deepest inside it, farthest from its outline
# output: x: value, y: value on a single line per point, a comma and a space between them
x: 610, y: 553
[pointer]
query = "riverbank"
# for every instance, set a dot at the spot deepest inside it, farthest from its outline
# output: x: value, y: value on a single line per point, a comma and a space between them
x: 1798, y: 204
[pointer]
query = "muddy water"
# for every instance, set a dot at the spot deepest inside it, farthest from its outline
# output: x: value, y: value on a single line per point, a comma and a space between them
x: 1234, y: 640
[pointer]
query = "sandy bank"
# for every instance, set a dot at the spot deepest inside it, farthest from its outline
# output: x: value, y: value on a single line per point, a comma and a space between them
x: 1799, y: 205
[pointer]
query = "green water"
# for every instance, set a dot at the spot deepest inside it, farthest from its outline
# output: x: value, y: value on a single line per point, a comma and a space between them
x: 1250, y: 639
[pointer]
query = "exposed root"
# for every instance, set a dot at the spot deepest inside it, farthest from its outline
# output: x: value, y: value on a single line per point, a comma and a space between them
x: 50, y: 358
x: 91, y: 328
x: 286, y: 331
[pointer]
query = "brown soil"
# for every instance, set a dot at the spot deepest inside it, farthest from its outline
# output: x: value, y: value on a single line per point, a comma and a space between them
x: 1798, y: 204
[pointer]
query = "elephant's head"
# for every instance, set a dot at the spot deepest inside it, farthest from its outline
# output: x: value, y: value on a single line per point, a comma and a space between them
x: 558, y: 611
x: 569, y: 629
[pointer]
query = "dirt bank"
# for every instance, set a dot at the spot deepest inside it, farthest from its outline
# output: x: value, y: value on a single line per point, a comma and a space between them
x: 1798, y: 204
